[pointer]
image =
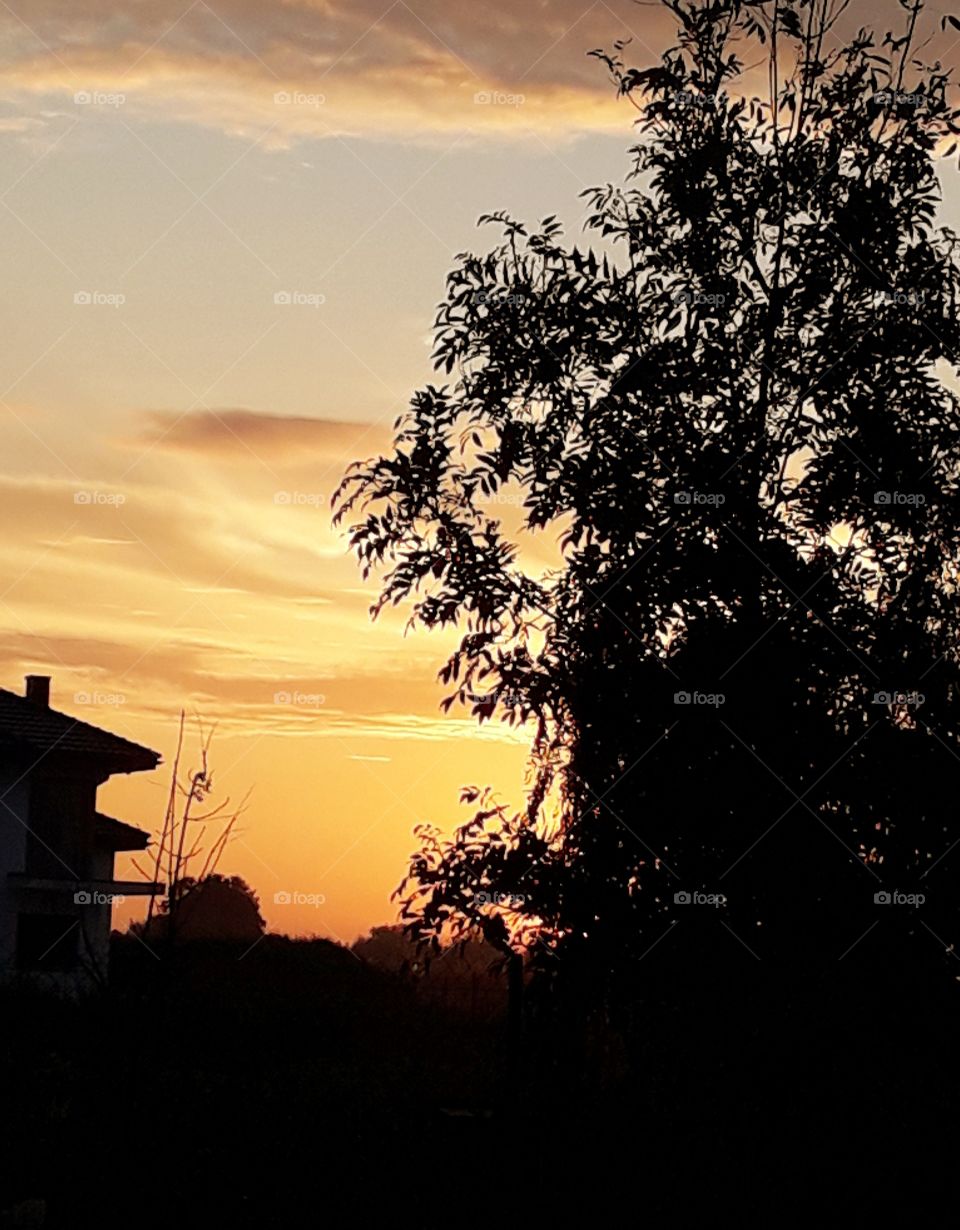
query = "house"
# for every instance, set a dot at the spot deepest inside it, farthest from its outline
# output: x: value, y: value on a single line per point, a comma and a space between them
x: 57, y: 881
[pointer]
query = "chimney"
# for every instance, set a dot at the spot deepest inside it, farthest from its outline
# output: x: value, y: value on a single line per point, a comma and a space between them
x: 38, y: 690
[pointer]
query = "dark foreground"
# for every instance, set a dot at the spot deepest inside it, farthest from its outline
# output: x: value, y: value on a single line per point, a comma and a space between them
x: 300, y: 1085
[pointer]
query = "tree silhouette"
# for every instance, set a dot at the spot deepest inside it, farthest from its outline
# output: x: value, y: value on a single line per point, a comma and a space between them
x: 183, y: 831
x: 215, y: 907
x: 743, y: 679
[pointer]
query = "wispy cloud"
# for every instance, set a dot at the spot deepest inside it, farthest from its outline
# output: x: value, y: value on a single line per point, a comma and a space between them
x: 248, y: 435
x: 306, y: 68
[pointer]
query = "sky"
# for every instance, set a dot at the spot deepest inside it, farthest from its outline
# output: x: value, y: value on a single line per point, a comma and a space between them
x: 224, y: 230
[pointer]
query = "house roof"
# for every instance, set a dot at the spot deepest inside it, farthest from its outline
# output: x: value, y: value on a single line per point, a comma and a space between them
x: 35, y: 729
x: 117, y: 835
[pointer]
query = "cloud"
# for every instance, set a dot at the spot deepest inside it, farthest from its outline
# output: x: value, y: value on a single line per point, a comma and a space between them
x: 317, y: 68
x: 322, y: 67
x: 241, y: 434
x: 177, y: 550
x: 117, y: 682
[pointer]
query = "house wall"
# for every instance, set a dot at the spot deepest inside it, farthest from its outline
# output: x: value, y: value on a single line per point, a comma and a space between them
x: 95, y: 919
x: 27, y: 814
x: 14, y: 812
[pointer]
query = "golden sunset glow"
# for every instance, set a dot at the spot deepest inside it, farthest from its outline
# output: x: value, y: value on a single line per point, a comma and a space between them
x: 225, y: 229
x: 172, y: 428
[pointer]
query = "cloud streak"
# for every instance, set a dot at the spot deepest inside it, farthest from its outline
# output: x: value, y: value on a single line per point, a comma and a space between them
x: 241, y: 434
x: 311, y: 69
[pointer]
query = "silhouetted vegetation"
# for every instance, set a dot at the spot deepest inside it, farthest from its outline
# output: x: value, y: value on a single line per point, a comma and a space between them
x: 742, y: 681
x: 240, y: 1082
x: 273, y: 1085
x: 216, y: 907
x: 181, y: 847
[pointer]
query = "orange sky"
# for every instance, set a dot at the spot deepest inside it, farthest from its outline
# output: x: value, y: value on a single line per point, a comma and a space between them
x: 171, y: 429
